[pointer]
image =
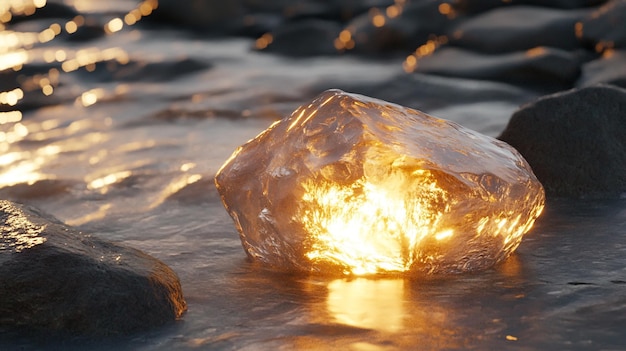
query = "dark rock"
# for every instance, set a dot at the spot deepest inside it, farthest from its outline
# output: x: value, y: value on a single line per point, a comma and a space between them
x: 544, y: 69
x: 55, y: 278
x: 305, y: 38
x: 575, y: 141
x: 518, y: 28
x: 219, y: 16
x: 255, y: 25
x: 605, y: 28
x: 418, y: 22
x: 608, y: 69
x: 474, y: 6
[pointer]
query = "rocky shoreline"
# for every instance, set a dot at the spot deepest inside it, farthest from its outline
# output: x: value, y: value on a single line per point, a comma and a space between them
x: 563, y: 61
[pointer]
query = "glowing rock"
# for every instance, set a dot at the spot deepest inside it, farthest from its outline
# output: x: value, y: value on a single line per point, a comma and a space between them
x: 354, y: 185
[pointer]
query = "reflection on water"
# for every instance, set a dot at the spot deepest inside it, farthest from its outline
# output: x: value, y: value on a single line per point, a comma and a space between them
x: 16, y: 231
x: 366, y: 303
x: 25, y: 166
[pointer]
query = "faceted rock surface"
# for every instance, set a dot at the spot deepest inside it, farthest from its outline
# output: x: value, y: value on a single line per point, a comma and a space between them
x: 575, y: 141
x: 54, y: 278
x: 354, y: 185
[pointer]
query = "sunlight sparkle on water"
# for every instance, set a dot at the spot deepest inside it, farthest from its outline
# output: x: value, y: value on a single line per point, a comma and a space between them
x: 358, y: 303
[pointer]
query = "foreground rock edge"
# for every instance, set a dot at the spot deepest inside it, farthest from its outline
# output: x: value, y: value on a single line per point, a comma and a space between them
x: 56, y: 278
x: 575, y: 141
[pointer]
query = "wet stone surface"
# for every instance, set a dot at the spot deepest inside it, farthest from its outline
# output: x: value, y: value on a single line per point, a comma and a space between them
x: 54, y: 278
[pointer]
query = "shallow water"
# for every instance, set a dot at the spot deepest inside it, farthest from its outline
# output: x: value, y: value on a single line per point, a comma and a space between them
x: 132, y: 158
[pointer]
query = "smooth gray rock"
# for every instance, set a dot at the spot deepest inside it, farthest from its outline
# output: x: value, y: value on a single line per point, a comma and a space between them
x: 218, y: 16
x: 608, y: 69
x: 605, y: 28
x: 518, y: 28
x: 418, y: 22
x: 310, y: 37
x: 575, y: 141
x: 546, y: 69
x: 55, y: 278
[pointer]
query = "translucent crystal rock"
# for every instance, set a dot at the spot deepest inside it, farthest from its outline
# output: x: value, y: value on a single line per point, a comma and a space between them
x: 355, y: 185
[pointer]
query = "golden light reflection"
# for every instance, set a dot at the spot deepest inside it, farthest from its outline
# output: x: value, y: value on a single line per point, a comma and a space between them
x: 535, y: 52
x: 377, y: 16
x: 608, y: 53
x: 13, y: 60
x: 393, y: 11
x: 370, y: 226
x: 578, y: 30
x: 10, y: 117
x: 90, y: 97
x: 17, y: 233
x: 175, y: 186
x: 366, y: 303
x: 411, y: 62
x: 187, y: 166
x: 100, y: 213
x: 102, y: 182
x: 602, y: 46
x: 25, y: 167
x: 11, y: 97
x: 265, y: 40
x: 19, y: 7
x: 71, y: 27
x: 114, y: 25
x: 15, y: 46
x: 378, y: 20
x: 16, y: 133
x: 344, y: 41
x: 447, y: 10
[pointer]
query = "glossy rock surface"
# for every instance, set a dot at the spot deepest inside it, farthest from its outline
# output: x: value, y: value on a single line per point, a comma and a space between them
x: 55, y: 278
x: 355, y: 185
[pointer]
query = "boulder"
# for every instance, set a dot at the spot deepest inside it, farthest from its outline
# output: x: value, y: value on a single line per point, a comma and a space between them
x: 309, y: 37
x: 546, y: 69
x: 518, y: 28
x: 605, y: 28
x: 416, y: 24
x: 575, y: 141
x: 55, y: 278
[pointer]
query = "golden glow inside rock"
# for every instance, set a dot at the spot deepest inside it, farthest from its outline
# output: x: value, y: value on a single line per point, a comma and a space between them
x: 358, y: 186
